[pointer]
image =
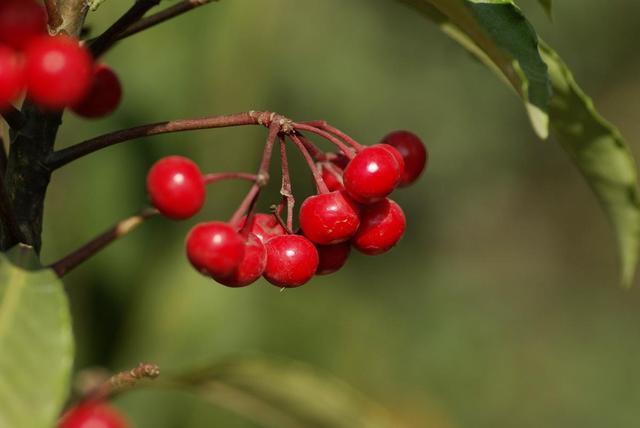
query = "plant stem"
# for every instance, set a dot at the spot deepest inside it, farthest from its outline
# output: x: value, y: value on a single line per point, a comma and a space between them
x: 317, y: 177
x: 343, y: 147
x: 123, y: 381
x: 122, y: 228
x: 7, y: 216
x: 219, y: 176
x: 14, y: 117
x: 53, y: 14
x: 286, y: 190
x: 162, y: 16
x: 69, y: 154
x: 321, y: 124
x: 103, y: 42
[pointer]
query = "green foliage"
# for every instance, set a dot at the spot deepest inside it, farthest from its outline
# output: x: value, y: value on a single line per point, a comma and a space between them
x: 285, y: 394
x: 499, y: 35
x: 36, y: 346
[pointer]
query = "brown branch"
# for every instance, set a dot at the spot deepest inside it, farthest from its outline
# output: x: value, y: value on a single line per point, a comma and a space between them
x: 7, y: 216
x: 285, y: 189
x: 75, y: 258
x: 103, y: 42
x: 14, y: 118
x: 69, y: 154
x: 53, y: 14
x: 162, y: 16
x: 123, y: 381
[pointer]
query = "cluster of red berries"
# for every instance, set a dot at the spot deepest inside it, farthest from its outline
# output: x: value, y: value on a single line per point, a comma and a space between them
x: 354, y: 211
x: 93, y: 414
x: 56, y: 71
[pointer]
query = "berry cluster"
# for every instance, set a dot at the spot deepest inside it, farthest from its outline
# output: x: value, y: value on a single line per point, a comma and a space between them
x: 351, y: 209
x: 93, y: 414
x: 56, y: 71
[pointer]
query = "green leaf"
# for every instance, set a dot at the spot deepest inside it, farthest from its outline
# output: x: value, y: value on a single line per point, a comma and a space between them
x: 285, y: 394
x: 601, y: 155
x: 36, y: 345
x: 499, y: 35
x: 496, y: 30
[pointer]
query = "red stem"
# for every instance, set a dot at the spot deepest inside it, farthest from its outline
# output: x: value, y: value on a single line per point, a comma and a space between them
x: 317, y: 177
x: 343, y: 147
x: 218, y: 176
x: 286, y: 190
x: 326, y: 127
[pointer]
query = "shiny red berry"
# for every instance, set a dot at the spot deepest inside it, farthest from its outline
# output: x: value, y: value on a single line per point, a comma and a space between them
x: 104, y: 94
x: 332, y: 257
x: 372, y: 174
x: 396, y: 154
x: 250, y: 268
x: 381, y: 227
x: 264, y: 226
x: 292, y: 260
x: 93, y: 415
x: 329, y: 218
x: 176, y: 187
x: 58, y: 71
x: 413, y: 151
x: 20, y: 22
x: 332, y: 176
x: 215, y: 249
x: 11, y: 77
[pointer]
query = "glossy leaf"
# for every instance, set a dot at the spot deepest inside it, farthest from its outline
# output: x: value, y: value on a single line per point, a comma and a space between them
x: 285, y: 394
x: 36, y: 346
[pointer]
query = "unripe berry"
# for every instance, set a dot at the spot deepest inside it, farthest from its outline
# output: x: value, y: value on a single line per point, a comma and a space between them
x: 215, y: 249
x: 331, y: 176
x: 20, y: 22
x: 250, y: 268
x: 372, y: 174
x: 292, y: 260
x: 176, y: 187
x: 329, y: 218
x: 93, y: 415
x: 58, y: 71
x: 104, y: 94
x: 413, y: 152
x: 381, y: 227
x: 11, y: 77
x: 264, y: 226
x: 332, y: 257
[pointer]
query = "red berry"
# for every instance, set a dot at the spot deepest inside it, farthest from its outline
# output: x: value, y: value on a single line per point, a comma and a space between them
x: 104, y: 94
x: 412, y: 150
x: 20, y: 22
x: 381, y: 227
x: 372, y: 174
x: 264, y: 226
x: 396, y: 154
x: 11, y: 77
x: 176, y: 187
x: 215, y: 249
x: 332, y: 257
x: 331, y: 176
x: 329, y: 218
x: 251, y: 267
x: 93, y: 415
x: 58, y: 71
x: 292, y: 260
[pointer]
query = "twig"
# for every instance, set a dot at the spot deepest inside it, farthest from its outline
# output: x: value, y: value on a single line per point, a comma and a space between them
x: 14, y: 117
x: 69, y: 154
x: 53, y: 14
x: 321, y: 124
x: 123, y: 381
x: 103, y: 42
x: 4, y: 157
x: 317, y: 177
x: 123, y: 227
x: 332, y: 138
x: 218, y: 176
x: 7, y: 215
x: 162, y: 16
x: 286, y: 190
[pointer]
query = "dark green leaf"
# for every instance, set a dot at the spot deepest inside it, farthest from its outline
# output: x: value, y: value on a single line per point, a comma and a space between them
x: 285, y: 394
x: 36, y: 345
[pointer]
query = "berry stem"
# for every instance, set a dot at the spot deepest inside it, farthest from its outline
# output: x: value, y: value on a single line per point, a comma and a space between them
x: 122, y: 228
x: 219, y: 176
x: 317, y: 154
x: 317, y: 177
x: 123, y: 381
x: 162, y: 16
x: 14, y: 118
x: 106, y: 40
x: 343, y: 147
x: 321, y: 124
x: 285, y: 189
x: 69, y: 154
x: 53, y: 14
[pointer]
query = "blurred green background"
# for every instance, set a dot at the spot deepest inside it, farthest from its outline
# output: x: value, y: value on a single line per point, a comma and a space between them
x: 499, y: 308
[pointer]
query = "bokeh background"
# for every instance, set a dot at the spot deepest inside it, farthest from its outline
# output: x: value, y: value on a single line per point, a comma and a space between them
x: 499, y: 308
